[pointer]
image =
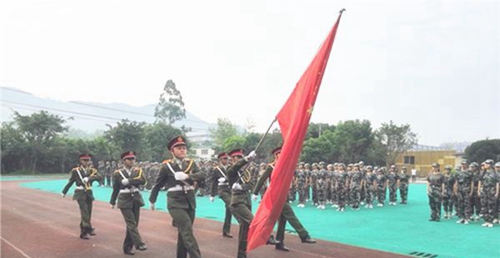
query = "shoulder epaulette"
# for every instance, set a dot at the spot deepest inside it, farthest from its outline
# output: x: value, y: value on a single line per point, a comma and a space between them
x: 166, y: 161
x: 117, y: 171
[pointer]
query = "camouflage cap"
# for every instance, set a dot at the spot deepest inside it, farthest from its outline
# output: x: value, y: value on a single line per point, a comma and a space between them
x: 435, y: 165
x: 369, y: 167
x: 497, y: 164
x: 474, y: 164
x: 489, y: 161
x: 448, y: 167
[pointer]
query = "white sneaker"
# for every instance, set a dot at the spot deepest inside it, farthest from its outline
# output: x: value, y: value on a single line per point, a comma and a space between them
x: 495, y: 221
x: 460, y: 221
x: 380, y: 205
x: 490, y: 225
x: 484, y: 224
x: 466, y: 222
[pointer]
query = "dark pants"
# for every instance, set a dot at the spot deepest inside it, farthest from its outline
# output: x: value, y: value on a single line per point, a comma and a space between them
x: 226, y: 197
x: 186, y: 243
x: 131, y: 217
x: 85, y: 206
x: 287, y: 214
x: 243, y: 212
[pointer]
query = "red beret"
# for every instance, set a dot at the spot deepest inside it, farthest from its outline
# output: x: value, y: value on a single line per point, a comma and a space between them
x: 176, y: 141
x: 236, y: 152
x: 222, y: 155
x: 85, y: 156
x: 276, y: 151
x: 128, y: 154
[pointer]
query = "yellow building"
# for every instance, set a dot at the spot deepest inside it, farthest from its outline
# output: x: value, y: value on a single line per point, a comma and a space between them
x: 422, y: 160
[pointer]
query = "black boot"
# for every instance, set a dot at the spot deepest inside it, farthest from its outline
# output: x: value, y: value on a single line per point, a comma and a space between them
x: 272, y: 241
x: 307, y: 239
x: 281, y: 246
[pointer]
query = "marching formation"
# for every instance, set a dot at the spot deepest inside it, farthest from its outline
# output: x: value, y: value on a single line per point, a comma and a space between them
x: 472, y: 191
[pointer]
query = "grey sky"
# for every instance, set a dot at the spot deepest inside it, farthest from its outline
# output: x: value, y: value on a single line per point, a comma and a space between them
x: 432, y: 64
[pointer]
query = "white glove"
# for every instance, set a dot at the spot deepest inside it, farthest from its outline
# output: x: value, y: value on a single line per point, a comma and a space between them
x: 85, y: 179
x: 251, y: 155
x: 125, y: 181
x: 212, y: 199
x: 221, y: 179
x: 237, y: 187
x: 254, y: 197
x: 181, y: 176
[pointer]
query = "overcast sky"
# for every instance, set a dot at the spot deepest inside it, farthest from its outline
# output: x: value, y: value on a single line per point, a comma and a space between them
x: 432, y: 64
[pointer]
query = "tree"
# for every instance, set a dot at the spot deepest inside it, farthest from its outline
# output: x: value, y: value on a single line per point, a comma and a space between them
x: 36, y: 133
x: 319, y: 149
x: 170, y: 107
x: 157, y: 136
x: 224, y: 130
x: 315, y: 130
x: 127, y: 136
x: 352, y: 140
x: 396, y: 140
x: 482, y: 150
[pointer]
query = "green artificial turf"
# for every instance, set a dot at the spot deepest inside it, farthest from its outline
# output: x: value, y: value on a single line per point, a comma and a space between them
x: 402, y: 229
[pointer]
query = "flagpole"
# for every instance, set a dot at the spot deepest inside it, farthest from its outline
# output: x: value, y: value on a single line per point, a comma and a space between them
x: 265, y: 134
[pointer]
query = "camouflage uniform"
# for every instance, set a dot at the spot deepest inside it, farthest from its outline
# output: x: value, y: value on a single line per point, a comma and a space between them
x: 392, y: 179
x: 301, y: 182
x: 368, y: 182
x: 464, y: 187
x: 404, y: 180
x: 435, y: 188
x: 489, y: 193
x: 355, y: 187
x: 341, y: 187
x: 449, y: 182
x: 381, y: 187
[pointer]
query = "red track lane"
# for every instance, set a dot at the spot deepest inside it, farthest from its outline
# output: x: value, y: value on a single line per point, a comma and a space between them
x: 41, y: 224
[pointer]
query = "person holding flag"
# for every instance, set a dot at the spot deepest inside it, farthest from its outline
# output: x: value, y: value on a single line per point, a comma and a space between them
x: 220, y: 185
x: 83, y: 176
x: 287, y: 214
x: 241, y: 183
x: 293, y: 119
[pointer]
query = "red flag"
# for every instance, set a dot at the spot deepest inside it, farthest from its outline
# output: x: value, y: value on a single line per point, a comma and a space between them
x: 293, y: 120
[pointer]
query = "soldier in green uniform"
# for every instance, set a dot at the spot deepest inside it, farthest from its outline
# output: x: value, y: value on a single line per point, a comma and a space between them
x: 220, y: 185
x: 475, y: 201
x: 392, y: 179
x: 241, y: 204
x: 403, y: 181
x: 463, y: 190
x: 287, y: 213
x: 381, y: 183
x: 497, y: 212
x: 341, y: 186
x: 126, y: 182
x: 301, y: 182
x: 449, y: 182
x: 179, y: 175
x: 355, y: 186
x: 369, y: 186
x: 435, y: 190
x: 488, y: 192
x: 83, y: 176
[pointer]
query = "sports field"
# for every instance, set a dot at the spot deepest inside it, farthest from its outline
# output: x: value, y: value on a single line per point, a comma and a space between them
x: 402, y: 229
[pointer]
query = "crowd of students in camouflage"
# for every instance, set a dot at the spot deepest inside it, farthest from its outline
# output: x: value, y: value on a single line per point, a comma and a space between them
x: 472, y: 190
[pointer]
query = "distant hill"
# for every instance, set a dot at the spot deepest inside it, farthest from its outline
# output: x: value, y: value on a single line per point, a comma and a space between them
x: 88, y: 117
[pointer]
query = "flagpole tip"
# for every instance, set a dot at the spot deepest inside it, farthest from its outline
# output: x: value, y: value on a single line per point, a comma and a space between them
x: 341, y: 11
